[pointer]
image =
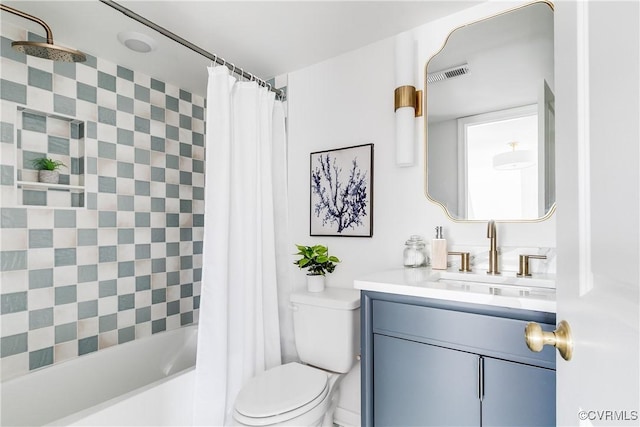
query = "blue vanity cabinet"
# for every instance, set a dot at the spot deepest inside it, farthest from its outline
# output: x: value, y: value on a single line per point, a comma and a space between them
x: 428, y: 362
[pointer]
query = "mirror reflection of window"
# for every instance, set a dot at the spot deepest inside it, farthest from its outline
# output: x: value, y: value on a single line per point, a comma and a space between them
x: 497, y: 64
x: 501, y: 154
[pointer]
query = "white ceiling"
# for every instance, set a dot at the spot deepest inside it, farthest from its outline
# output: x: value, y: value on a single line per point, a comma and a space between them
x: 266, y: 38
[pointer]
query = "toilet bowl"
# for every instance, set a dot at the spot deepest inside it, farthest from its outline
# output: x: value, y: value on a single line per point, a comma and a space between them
x: 288, y: 395
x: 326, y: 326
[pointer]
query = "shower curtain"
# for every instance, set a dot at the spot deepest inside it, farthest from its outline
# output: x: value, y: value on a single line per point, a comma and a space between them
x: 238, y: 335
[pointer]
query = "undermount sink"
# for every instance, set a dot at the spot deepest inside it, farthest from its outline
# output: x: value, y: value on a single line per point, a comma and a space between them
x: 506, y: 284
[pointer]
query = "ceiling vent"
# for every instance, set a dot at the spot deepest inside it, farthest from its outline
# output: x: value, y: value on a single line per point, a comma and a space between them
x: 439, y: 76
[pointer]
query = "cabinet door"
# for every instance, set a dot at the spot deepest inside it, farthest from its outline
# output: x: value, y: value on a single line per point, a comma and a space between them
x: 518, y: 395
x: 417, y: 384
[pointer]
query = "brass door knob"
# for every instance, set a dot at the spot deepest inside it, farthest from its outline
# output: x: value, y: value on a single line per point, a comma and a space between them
x: 561, y: 339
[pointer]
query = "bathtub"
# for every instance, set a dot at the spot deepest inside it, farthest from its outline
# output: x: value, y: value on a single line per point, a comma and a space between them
x: 148, y: 381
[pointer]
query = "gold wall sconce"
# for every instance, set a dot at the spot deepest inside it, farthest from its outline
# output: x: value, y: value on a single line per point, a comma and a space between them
x: 408, y: 100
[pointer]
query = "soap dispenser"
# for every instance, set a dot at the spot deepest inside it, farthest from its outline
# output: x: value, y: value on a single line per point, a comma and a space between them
x: 439, y: 251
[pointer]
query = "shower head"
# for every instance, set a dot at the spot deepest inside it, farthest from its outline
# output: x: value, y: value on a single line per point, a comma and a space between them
x: 49, y: 51
x: 46, y: 50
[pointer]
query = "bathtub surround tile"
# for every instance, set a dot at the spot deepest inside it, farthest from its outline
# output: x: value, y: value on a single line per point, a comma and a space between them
x: 13, y: 302
x: 126, y: 318
x: 86, y: 92
x: 14, y: 92
x: 74, y: 273
x: 40, y: 318
x: 13, y: 260
x: 64, y: 218
x: 7, y: 174
x: 65, y: 256
x: 39, y: 78
x: 13, y: 344
x: 41, y: 238
x: 66, y: 332
x: 34, y: 198
x: 66, y: 294
x: 106, y: 81
x: 143, y: 283
x: 186, y: 318
x: 87, y: 237
x: 126, y: 269
x: 106, y: 150
x: 107, y: 219
x: 41, y: 278
x: 158, y: 325
x: 125, y: 73
x: 143, y: 315
x: 186, y: 290
x: 158, y: 265
x: 173, y: 307
x: 87, y: 309
x: 107, y: 254
x: 65, y: 351
x: 108, y: 322
x: 173, y: 278
x: 87, y: 345
x: 126, y: 302
x: 40, y: 358
x: 6, y: 132
x: 64, y: 105
x: 126, y: 334
x: 107, y: 288
x: 87, y: 273
x: 124, y: 104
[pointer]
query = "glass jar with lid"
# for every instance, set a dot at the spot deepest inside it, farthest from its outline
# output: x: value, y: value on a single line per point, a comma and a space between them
x: 415, y: 253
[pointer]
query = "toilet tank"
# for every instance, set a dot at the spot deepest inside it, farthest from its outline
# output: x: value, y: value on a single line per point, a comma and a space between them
x: 327, y: 327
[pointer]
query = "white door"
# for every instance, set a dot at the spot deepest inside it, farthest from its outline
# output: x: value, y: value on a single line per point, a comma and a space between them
x: 597, y: 110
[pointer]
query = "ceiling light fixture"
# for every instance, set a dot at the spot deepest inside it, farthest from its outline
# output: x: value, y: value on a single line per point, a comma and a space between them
x: 514, y: 159
x: 137, y: 42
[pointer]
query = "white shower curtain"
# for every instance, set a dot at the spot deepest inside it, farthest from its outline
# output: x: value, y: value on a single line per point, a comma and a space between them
x: 238, y: 333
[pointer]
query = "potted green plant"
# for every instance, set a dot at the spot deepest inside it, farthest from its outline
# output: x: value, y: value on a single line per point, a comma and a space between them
x: 318, y: 262
x: 48, y: 169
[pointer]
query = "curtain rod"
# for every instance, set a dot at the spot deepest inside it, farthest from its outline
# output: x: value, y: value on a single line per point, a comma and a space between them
x: 215, y: 58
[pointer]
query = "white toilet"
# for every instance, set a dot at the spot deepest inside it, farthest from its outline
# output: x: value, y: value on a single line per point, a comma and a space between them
x: 327, y: 333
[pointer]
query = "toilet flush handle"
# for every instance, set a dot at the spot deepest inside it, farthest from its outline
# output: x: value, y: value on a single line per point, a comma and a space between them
x: 293, y: 307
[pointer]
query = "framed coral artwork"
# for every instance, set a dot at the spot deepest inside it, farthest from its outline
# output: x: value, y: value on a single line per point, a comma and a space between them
x: 342, y: 192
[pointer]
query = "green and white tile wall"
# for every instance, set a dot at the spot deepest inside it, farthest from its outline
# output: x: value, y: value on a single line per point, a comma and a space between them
x: 128, y: 263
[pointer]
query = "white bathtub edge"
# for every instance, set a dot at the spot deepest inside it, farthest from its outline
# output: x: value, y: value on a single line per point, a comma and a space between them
x: 79, y: 416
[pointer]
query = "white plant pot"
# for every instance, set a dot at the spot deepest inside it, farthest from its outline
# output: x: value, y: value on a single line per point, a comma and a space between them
x: 48, y: 177
x: 315, y: 283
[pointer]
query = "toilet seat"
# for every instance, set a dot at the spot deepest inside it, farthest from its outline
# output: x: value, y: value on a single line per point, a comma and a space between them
x: 280, y: 394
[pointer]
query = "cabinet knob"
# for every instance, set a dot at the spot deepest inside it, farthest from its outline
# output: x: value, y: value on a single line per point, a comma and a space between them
x: 561, y: 339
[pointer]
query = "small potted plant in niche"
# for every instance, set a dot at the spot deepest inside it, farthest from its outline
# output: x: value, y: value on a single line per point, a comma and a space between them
x: 48, y: 169
x: 318, y: 262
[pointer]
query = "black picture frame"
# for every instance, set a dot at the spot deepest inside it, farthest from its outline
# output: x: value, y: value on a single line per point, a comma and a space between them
x: 341, y: 192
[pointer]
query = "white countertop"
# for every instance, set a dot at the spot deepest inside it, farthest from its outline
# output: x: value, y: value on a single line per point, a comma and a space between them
x: 506, y: 290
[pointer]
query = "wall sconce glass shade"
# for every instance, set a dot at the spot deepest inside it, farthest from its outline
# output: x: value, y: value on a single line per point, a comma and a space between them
x: 405, y: 100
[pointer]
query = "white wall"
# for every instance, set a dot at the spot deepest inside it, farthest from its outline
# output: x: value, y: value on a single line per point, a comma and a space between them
x: 348, y: 100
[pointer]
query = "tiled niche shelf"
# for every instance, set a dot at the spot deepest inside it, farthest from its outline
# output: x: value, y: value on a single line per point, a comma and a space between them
x: 41, y: 134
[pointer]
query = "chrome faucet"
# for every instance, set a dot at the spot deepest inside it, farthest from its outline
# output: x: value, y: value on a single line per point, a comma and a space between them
x: 492, y: 234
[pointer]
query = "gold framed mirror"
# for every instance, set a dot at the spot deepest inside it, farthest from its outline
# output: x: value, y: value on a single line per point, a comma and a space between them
x: 489, y: 118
